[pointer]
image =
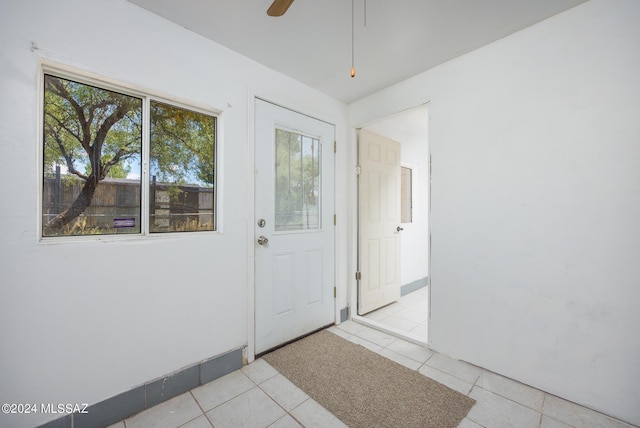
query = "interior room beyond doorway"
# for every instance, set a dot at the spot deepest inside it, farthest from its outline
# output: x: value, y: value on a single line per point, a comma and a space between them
x: 408, y: 316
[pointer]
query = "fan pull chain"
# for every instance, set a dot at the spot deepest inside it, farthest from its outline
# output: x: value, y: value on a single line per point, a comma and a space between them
x: 353, y: 67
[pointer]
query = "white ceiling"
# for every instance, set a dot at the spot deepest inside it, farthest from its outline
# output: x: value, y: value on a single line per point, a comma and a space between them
x: 312, y: 41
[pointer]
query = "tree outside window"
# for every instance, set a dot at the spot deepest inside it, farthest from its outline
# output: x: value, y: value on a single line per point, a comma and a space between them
x: 93, y: 152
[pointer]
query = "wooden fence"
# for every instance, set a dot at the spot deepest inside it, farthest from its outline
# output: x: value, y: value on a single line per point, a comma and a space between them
x: 115, y: 207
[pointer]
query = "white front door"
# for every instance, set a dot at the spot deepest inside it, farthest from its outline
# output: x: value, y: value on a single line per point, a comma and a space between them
x: 294, y: 230
x: 379, y: 221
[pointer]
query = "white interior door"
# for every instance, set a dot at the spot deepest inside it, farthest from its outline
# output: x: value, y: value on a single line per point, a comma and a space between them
x: 379, y: 221
x: 294, y: 230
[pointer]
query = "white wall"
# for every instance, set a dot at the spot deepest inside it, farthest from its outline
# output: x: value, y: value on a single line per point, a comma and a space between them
x: 84, y: 321
x: 415, y: 236
x: 535, y: 210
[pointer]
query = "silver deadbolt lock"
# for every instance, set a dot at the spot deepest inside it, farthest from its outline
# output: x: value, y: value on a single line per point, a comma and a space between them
x: 262, y: 223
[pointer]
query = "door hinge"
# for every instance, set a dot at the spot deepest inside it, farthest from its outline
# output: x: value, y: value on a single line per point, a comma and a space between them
x: 335, y: 220
x: 358, y: 276
x: 335, y: 147
x: 335, y: 292
x: 358, y: 170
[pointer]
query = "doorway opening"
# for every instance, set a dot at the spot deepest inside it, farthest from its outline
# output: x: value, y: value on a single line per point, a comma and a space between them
x: 398, y: 193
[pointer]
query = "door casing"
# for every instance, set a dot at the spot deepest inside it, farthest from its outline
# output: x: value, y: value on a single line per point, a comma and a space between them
x: 355, y: 232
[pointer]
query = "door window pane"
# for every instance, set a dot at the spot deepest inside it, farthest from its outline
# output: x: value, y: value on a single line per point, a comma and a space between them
x: 297, y: 187
x: 92, y: 151
x: 181, y: 164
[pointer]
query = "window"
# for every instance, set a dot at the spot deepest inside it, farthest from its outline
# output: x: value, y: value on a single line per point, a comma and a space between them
x: 405, y: 195
x: 297, y: 194
x: 93, y: 155
x: 181, y: 169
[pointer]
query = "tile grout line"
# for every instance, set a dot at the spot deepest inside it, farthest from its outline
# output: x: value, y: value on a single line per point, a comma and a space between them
x: 475, y: 422
x: 511, y: 399
x: 199, y: 406
x: 542, y: 414
x: 287, y: 412
x: 224, y: 402
x: 474, y: 383
x: 540, y: 421
x: 238, y: 395
x: 391, y: 350
x: 425, y: 363
x: 312, y: 399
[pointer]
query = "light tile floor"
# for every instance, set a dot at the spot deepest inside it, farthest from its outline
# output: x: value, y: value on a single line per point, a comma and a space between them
x: 407, y: 315
x: 258, y: 396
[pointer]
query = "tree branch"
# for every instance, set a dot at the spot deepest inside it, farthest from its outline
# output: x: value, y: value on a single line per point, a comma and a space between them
x: 183, y: 141
x: 111, y: 120
x: 64, y: 126
x: 59, y: 89
x: 67, y: 157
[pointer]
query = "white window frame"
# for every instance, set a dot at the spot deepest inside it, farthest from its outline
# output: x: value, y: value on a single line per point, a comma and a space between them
x: 88, y: 78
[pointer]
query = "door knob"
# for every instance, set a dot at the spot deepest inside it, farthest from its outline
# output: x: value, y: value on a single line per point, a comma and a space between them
x: 263, y: 240
x: 399, y: 229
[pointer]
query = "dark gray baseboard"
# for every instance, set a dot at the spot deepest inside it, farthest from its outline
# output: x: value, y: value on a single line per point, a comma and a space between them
x: 129, y: 403
x: 413, y: 286
x: 344, y: 314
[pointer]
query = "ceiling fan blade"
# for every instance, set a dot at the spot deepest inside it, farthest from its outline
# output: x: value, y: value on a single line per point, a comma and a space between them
x: 279, y: 7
